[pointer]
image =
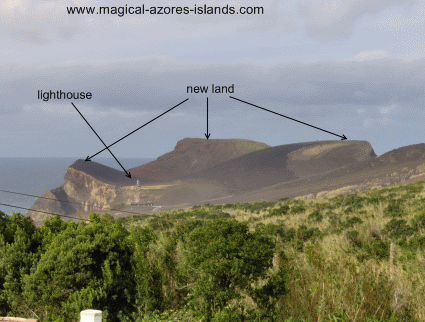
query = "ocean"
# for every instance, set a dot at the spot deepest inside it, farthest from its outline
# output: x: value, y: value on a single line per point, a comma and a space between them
x: 35, y: 175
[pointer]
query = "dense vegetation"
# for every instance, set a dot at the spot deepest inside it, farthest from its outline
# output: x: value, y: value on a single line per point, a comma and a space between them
x: 285, y: 260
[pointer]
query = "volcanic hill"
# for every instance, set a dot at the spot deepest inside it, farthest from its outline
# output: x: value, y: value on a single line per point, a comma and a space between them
x: 283, y: 163
x: 192, y: 155
x: 201, y: 171
x: 400, y: 166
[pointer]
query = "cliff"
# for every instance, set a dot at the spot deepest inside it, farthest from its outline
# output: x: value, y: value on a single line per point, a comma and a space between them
x: 91, y: 187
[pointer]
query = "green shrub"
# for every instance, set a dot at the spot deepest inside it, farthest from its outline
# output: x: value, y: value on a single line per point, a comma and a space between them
x: 84, y: 266
x: 298, y: 209
x: 256, y: 206
x: 375, y: 200
x: 226, y: 316
x: 225, y: 258
x: 354, y: 201
x: 306, y: 234
x: 335, y: 222
x: 353, y: 238
x: 161, y: 223
x: 414, y: 188
x: 316, y: 216
x: 395, y: 209
x: 418, y: 222
x: 417, y: 242
x: 157, y: 316
x: 351, y: 221
x: 282, y: 210
x: 397, y: 228
x: 377, y: 248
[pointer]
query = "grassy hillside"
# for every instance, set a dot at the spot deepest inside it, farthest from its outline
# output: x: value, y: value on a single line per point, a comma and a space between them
x: 286, y: 260
x: 248, y: 146
x: 338, y: 251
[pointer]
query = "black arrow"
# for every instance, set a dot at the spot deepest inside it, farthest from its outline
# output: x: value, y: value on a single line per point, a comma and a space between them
x: 343, y: 137
x: 207, y: 135
x: 127, y: 174
x: 107, y: 147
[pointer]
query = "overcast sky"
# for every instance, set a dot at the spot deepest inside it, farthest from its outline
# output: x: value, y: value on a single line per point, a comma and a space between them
x: 352, y: 67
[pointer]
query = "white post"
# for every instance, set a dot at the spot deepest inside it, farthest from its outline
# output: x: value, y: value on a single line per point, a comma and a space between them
x: 91, y: 316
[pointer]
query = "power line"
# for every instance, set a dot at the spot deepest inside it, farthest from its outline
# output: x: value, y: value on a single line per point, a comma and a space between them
x: 44, y: 212
x: 77, y: 203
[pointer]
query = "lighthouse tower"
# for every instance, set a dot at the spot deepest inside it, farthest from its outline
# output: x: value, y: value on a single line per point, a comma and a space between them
x: 137, y: 192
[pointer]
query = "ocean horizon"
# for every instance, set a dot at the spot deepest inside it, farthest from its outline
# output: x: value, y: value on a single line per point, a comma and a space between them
x: 34, y: 176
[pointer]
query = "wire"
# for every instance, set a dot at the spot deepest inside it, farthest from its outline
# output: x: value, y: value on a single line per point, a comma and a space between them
x: 77, y: 203
x: 49, y: 213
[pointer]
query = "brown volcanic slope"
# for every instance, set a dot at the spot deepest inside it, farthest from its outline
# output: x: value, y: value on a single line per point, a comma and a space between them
x: 285, y: 163
x: 192, y: 155
x: 403, y: 165
x: 267, y: 167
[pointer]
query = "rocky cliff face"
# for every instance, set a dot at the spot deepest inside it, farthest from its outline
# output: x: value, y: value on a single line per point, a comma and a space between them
x: 91, y: 187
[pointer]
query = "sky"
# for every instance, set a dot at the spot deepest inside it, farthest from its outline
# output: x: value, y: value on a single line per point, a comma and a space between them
x: 350, y: 67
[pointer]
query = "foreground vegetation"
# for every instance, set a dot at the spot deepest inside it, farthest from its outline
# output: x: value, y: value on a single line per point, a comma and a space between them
x: 285, y: 260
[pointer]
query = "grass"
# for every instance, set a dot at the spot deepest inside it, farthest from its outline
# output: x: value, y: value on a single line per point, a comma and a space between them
x: 337, y: 250
x: 249, y: 146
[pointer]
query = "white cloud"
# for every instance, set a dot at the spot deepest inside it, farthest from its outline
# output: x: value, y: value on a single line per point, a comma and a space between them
x: 370, y: 123
x: 386, y: 109
x: 400, y: 17
x: 37, y: 22
x: 335, y: 19
x: 273, y: 18
x: 370, y: 55
x: 412, y: 57
x: 158, y: 83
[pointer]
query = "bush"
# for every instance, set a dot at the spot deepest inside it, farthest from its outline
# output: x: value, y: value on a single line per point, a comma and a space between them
x: 353, y: 238
x: 85, y: 266
x: 298, y: 209
x: 351, y: 221
x: 377, y: 248
x: 282, y: 210
x: 417, y: 242
x: 226, y: 316
x: 418, y: 222
x: 305, y: 233
x: 224, y: 258
x: 394, y: 209
x: 256, y: 206
x: 316, y: 216
x: 397, y: 228
x: 354, y: 201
